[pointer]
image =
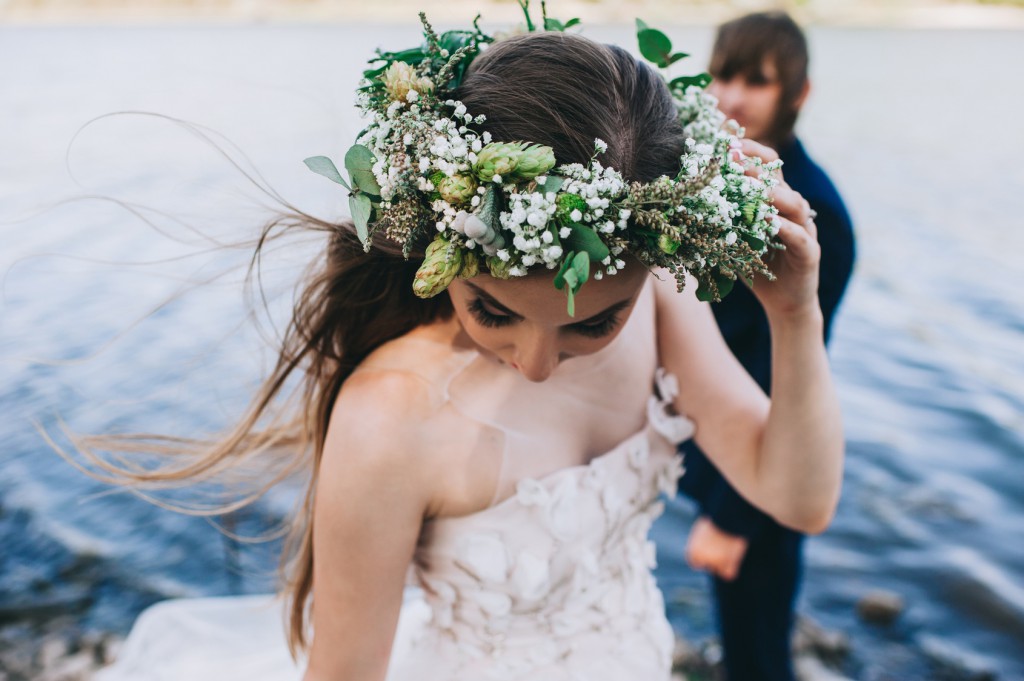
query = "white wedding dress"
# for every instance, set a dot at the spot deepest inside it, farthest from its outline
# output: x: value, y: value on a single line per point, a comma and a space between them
x: 551, y: 582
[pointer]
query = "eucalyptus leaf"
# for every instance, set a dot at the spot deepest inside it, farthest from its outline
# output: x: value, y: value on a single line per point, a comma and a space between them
x: 581, y: 269
x: 572, y: 22
x: 566, y: 265
x: 655, y: 46
x: 361, y: 208
x: 359, y: 162
x: 703, y: 292
x: 583, y: 238
x: 553, y: 183
x: 754, y: 242
x: 572, y: 279
x: 321, y: 165
x: 725, y: 285
x: 677, y: 56
x: 700, y: 80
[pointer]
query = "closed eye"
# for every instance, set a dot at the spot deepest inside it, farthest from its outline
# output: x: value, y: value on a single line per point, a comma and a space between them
x: 489, y: 318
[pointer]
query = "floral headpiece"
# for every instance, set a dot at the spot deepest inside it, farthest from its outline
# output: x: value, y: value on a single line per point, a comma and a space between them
x: 421, y: 169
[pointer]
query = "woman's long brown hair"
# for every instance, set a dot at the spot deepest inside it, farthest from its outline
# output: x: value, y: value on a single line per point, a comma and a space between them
x: 555, y: 89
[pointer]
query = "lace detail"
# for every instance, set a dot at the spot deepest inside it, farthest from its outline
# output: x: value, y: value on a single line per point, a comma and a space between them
x: 557, y: 576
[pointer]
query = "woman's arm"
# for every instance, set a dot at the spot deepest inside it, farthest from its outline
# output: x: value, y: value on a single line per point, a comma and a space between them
x: 371, y: 498
x: 784, y: 455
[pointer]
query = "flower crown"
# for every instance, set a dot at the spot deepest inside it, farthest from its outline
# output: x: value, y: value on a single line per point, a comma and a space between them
x: 422, y: 171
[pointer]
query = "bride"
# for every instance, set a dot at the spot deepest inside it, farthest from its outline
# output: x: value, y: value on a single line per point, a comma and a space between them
x: 495, y: 440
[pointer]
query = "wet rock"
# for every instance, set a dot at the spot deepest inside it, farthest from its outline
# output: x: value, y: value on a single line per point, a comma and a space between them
x: 691, y: 662
x: 810, y: 668
x: 953, y: 662
x: 51, y: 651
x: 810, y: 638
x: 880, y: 607
x: 77, y: 667
x: 109, y: 648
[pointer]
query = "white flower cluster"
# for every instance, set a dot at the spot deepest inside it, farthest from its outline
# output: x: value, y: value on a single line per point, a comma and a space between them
x: 527, y: 220
x: 699, y: 114
x: 431, y: 142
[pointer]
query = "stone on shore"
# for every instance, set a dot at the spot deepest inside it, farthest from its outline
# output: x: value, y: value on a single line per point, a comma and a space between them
x: 880, y: 607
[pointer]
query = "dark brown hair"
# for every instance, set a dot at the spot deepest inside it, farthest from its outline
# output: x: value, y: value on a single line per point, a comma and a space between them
x: 744, y: 45
x: 547, y: 88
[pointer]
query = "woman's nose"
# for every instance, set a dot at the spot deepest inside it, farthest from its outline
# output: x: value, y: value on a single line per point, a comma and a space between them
x: 537, y: 354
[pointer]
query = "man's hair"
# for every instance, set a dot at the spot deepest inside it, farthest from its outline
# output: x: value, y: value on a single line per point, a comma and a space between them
x: 742, y: 47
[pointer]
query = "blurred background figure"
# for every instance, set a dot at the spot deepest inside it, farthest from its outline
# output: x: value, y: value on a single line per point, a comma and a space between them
x: 759, y: 64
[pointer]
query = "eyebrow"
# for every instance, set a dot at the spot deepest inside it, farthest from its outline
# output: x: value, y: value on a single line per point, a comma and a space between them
x: 490, y: 300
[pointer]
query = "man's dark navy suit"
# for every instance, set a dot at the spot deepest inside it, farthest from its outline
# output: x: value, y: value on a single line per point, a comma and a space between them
x: 755, y: 610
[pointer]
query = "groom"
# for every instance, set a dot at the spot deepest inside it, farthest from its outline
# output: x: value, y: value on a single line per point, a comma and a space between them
x: 759, y: 64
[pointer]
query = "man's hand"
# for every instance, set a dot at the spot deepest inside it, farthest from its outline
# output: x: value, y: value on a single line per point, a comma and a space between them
x: 711, y: 549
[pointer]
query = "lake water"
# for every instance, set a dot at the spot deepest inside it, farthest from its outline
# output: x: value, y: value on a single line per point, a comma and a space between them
x: 105, y: 325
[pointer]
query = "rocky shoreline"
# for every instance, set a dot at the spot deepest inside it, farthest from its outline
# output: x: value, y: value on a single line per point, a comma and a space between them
x: 57, y: 649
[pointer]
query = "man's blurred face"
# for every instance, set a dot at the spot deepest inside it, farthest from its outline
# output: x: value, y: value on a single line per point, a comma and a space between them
x: 752, y: 100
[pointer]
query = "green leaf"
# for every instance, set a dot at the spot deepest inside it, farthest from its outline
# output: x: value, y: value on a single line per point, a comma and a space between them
x: 321, y: 165
x: 566, y: 265
x: 754, y: 242
x: 361, y: 208
x: 641, y: 25
x: 572, y: 22
x: 655, y: 46
x: 725, y: 285
x: 583, y: 238
x: 359, y: 162
x: 552, y: 184
x: 581, y: 269
x: 572, y: 280
x: 700, y: 80
x: 703, y: 292
x: 553, y: 24
x: 677, y: 56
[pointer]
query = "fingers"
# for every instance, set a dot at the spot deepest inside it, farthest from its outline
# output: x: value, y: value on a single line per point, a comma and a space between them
x: 752, y: 148
x: 801, y: 240
x: 791, y: 204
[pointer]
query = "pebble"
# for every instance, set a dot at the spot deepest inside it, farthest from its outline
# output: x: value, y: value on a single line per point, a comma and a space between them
x: 880, y: 607
x: 809, y: 637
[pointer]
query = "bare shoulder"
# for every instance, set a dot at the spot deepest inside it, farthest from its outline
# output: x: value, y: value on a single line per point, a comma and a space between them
x: 374, y: 432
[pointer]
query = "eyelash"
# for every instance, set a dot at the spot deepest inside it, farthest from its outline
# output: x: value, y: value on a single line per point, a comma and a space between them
x: 491, y: 320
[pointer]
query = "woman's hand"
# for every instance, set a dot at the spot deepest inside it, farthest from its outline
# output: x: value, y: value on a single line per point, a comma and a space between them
x: 795, y: 289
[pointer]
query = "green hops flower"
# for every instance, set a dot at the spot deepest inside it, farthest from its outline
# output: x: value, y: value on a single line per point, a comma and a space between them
x: 567, y: 204
x: 497, y: 158
x: 668, y: 245
x: 457, y: 189
x: 749, y: 211
x: 499, y: 268
x: 513, y: 161
x: 471, y: 266
x: 440, y: 266
x: 400, y: 78
x: 533, y: 161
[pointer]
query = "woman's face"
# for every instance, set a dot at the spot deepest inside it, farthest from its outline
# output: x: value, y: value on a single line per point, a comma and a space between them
x: 523, y: 321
